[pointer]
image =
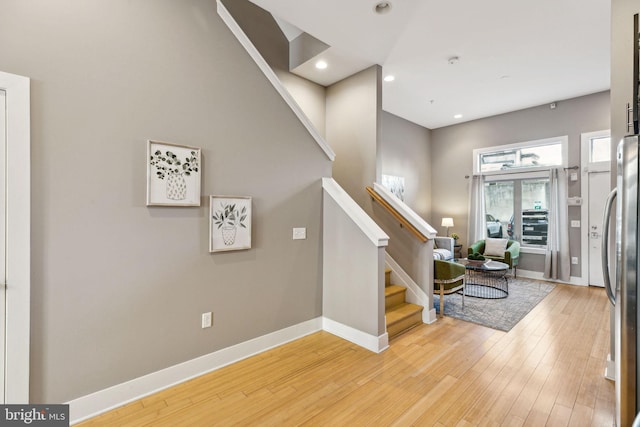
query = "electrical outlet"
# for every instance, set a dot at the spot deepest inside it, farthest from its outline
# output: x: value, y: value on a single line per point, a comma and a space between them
x: 299, y: 233
x: 574, y: 260
x: 207, y: 320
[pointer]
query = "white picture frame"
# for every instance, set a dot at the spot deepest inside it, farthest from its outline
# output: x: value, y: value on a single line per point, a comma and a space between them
x: 173, y: 174
x: 395, y: 184
x: 229, y: 223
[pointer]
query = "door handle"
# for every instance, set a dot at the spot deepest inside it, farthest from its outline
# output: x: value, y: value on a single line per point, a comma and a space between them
x: 605, y: 245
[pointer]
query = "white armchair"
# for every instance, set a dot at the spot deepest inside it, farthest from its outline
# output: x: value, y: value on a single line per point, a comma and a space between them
x: 443, y: 248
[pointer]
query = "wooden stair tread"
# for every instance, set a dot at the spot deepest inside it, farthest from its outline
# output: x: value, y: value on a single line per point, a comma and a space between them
x: 393, y: 289
x: 400, y: 315
x: 400, y: 312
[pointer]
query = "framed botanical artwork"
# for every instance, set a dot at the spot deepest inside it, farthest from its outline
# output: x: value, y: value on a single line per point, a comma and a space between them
x: 173, y: 174
x: 229, y: 223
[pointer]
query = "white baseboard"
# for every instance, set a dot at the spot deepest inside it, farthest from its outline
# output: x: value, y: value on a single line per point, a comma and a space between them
x: 104, y: 400
x: 370, y: 342
x: 538, y: 275
x: 610, y: 369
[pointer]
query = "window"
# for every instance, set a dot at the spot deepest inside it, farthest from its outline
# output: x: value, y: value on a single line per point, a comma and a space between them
x: 518, y: 209
x: 600, y: 149
x: 517, y: 189
x: 531, y: 155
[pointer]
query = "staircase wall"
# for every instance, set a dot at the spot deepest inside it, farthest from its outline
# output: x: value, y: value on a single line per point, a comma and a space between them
x: 354, y: 106
x: 265, y: 34
x: 118, y: 288
x: 353, y: 283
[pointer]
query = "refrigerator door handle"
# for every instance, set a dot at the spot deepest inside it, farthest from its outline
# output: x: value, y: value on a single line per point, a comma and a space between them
x: 605, y: 245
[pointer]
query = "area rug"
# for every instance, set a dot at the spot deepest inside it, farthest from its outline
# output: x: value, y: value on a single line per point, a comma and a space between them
x: 501, y: 314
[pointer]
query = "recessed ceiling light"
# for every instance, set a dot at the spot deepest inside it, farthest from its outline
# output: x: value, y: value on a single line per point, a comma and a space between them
x: 321, y: 65
x: 389, y: 78
x: 457, y: 116
x: 382, y: 7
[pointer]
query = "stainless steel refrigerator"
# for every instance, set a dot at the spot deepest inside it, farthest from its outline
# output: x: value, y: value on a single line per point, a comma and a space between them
x: 624, y: 295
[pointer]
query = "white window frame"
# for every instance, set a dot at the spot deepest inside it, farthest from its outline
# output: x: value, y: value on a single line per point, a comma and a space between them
x: 533, y: 172
x: 563, y: 140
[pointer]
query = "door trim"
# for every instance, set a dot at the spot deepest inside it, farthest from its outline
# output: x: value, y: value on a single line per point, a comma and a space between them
x: 584, y: 190
x: 18, y: 172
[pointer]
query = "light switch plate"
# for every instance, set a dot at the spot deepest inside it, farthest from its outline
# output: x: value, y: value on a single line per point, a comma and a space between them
x: 207, y: 320
x: 299, y: 233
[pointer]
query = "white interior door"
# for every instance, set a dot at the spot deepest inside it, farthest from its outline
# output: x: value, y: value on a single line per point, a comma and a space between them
x: 3, y: 221
x: 596, y: 185
x: 15, y: 174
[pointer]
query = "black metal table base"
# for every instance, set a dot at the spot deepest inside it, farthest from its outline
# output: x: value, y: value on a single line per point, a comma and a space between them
x: 486, y: 284
x: 476, y: 290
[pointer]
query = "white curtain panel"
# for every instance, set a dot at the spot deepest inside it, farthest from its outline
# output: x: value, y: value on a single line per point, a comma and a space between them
x: 557, y: 263
x: 476, y: 227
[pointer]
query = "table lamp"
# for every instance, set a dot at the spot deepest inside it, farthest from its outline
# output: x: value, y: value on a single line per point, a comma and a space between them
x: 447, y: 222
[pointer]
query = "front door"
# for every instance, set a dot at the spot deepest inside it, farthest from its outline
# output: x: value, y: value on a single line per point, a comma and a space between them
x: 597, y: 183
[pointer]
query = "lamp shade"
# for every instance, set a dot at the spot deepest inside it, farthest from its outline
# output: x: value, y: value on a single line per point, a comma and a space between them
x: 447, y: 222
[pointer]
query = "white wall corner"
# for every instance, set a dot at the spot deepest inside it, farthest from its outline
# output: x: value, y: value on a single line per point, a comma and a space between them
x: 369, y: 342
x: 429, y: 316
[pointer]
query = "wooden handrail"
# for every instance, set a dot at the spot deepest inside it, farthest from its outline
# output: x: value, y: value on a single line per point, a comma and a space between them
x: 397, y: 215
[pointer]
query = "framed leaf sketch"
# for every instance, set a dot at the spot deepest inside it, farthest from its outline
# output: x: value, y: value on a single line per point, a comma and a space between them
x: 229, y: 223
x: 173, y: 174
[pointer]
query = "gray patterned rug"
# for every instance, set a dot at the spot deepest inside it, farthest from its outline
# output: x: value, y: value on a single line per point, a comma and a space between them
x: 501, y: 314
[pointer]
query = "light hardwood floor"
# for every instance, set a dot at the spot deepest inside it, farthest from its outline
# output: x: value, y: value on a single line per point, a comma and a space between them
x: 548, y: 370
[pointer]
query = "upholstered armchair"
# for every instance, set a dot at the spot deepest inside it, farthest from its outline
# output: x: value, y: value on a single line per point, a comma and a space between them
x: 448, y: 277
x: 443, y: 248
x: 510, y: 257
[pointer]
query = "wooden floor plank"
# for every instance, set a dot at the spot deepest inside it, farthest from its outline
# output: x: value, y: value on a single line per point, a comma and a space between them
x: 548, y: 370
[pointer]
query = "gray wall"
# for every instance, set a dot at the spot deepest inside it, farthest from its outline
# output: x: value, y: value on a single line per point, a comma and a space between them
x: 406, y: 151
x: 354, y: 106
x: 117, y: 287
x: 453, y: 146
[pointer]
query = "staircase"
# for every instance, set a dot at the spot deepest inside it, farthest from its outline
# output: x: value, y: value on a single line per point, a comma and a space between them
x: 400, y: 315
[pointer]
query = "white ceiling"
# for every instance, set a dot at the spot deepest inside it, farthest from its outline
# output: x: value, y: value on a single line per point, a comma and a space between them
x: 512, y: 54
